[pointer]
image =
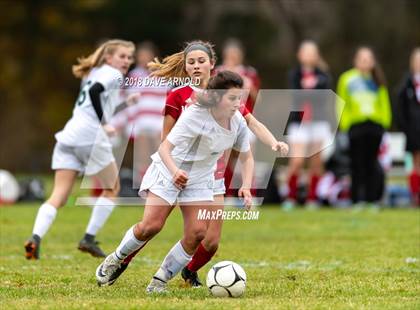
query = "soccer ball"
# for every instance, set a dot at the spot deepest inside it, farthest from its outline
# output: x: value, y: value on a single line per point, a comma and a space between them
x: 226, y: 279
x: 9, y: 188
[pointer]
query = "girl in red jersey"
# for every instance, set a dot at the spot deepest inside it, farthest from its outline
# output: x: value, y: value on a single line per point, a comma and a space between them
x: 197, y: 61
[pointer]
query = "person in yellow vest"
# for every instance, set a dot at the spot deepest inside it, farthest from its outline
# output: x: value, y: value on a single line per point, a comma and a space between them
x: 365, y: 113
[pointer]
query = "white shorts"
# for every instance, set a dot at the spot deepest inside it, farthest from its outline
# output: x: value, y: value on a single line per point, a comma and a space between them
x: 313, y: 132
x: 157, y: 183
x: 88, y: 159
x: 219, y: 187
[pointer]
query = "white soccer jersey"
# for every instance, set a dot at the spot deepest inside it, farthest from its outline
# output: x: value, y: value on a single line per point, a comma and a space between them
x: 84, y: 127
x: 200, y: 141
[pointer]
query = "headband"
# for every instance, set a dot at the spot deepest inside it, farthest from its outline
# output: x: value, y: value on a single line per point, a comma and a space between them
x: 198, y: 46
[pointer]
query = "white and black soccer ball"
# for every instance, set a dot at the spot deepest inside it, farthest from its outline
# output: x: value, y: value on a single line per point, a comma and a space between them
x: 226, y: 279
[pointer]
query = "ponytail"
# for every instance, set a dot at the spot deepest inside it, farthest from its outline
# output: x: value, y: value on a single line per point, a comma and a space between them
x: 171, y: 66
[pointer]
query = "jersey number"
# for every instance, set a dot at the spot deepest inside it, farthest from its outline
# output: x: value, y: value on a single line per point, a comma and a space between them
x: 82, y: 95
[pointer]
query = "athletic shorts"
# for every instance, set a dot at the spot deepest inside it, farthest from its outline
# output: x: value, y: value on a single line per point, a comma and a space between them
x: 159, y: 184
x: 88, y: 159
x: 315, y: 132
x: 219, y: 187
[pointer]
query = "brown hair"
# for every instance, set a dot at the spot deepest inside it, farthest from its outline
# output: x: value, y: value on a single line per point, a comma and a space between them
x: 97, y: 58
x: 174, y: 65
x: 377, y: 72
x: 218, y: 86
x: 321, y: 64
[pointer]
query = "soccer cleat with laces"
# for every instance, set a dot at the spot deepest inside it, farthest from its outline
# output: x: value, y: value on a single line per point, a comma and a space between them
x: 157, y: 285
x: 91, y: 247
x: 191, y: 277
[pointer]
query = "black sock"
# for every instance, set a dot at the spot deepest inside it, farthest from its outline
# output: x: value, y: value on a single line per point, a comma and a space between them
x: 36, y: 238
x: 89, y: 237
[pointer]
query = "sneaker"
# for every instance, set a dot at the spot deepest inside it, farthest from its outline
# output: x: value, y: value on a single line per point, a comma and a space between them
x: 191, y: 277
x: 91, y: 247
x: 106, y: 272
x: 157, y: 285
x: 32, y: 246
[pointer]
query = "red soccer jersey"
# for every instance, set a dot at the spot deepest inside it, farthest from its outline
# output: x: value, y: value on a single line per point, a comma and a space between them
x: 182, y: 97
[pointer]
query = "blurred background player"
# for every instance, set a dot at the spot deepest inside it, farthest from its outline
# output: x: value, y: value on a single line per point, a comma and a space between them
x: 143, y: 121
x: 365, y: 116
x: 83, y: 145
x: 233, y: 55
x: 310, y: 131
x: 409, y: 119
x: 233, y: 60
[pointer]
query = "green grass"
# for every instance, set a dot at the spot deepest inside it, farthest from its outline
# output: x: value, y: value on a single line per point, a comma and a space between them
x: 327, y: 259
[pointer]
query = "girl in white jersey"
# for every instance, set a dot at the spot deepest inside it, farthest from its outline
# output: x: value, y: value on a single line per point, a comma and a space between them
x: 83, y: 145
x: 183, y: 170
x: 196, y: 61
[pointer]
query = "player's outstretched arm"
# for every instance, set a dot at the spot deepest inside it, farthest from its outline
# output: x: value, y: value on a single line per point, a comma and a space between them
x: 247, y: 164
x: 265, y: 135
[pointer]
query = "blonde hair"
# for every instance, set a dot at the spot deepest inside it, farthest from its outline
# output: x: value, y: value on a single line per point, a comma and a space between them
x: 174, y: 65
x: 413, y: 55
x: 97, y: 58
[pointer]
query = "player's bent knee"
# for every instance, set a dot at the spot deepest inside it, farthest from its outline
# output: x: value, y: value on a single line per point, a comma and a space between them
x: 149, y: 230
x: 197, y: 234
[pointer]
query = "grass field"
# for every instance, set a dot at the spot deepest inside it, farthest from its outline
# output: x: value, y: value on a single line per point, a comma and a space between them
x: 334, y: 259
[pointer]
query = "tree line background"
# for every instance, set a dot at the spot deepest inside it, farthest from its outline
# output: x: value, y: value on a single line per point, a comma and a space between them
x: 40, y: 41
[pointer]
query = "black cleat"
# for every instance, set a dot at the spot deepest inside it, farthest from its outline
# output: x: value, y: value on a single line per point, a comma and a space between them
x: 191, y: 277
x: 32, y: 248
x: 91, y: 247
